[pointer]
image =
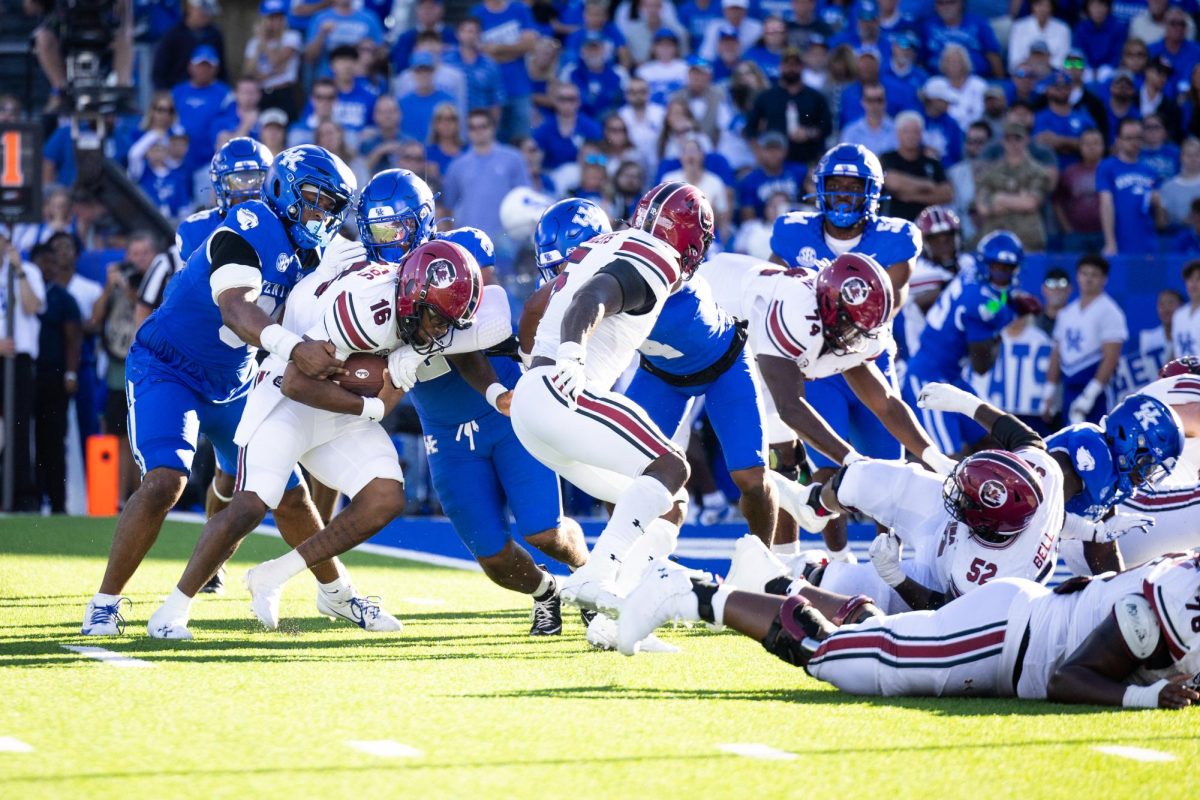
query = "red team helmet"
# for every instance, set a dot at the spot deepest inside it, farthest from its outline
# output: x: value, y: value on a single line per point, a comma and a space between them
x: 935, y: 220
x: 854, y: 299
x: 680, y: 215
x: 441, y: 277
x: 994, y: 493
x: 1186, y: 365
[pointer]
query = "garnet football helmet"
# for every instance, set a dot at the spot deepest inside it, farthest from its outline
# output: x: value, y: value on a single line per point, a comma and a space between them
x: 938, y: 221
x: 680, y: 215
x: 854, y: 299
x: 1187, y: 365
x: 442, y: 278
x: 994, y: 493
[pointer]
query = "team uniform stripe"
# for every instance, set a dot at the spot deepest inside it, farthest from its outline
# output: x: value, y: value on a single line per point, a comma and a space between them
x: 240, y: 481
x: 1175, y: 642
x: 878, y: 645
x: 624, y: 420
x: 345, y: 323
x: 619, y: 431
x: 358, y: 326
x: 1166, y: 500
x: 882, y: 658
x: 639, y: 414
x: 779, y: 334
x: 630, y: 257
x: 578, y: 254
x: 631, y: 247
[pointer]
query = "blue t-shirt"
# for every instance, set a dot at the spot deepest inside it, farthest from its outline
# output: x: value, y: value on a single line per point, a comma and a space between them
x: 443, y: 397
x: 352, y: 28
x: 964, y: 314
x: 171, y: 191
x: 417, y: 112
x: 1181, y: 62
x: 195, y: 230
x: 485, y: 87
x: 1071, y: 124
x: 1163, y: 160
x: 1130, y: 186
x: 561, y: 149
x: 613, y: 39
x: 196, y: 108
x: 599, y: 92
x: 754, y: 190
x: 1084, y: 444
x: 695, y: 19
x: 1101, y: 45
x: 973, y: 33
x: 798, y: 239
x: 900, y: 96
x: 401, y: 53
x: 944, y: 136
x: 353, y: 108
x: 765, y: 59
x: 506, y: 27
x: 690, y: 334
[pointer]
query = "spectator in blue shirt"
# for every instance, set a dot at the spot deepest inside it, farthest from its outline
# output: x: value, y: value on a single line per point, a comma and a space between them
x: 198, y: 101
x: 599, y: 84
x: 696, y: 14
x: 769, y: 50
x: 173, y: 50
x: 1182, y: 54
x: 416, y: 107
x: 168, y: 187
x: 485, y: 87
x: 596, y: 22
x: 942, y: 135
x: 952, y: 26
x: 1122, y: 101
x: 508, y: 35
x: 1100, y: 36
x: 805, y: 22
x: 561, y: 135
x: 1129, y: 197
x: 773, y: 175
x: 429, y: 16
x: 383, y: 141
x: 321, y: 100
x: 902, y: 66
x: 341, y: 24
x: 239, y: 116
x: 875, y: 129
x: 900, y: 95
x: 477, y: 181
x: 1159, y: 152
x: 1058, y: 125
x: 356, y: 97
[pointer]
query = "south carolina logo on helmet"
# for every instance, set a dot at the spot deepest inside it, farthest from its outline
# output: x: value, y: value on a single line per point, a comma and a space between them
x: 1186, y: 365
x: 680, y: 215
x: 441, y: 278
x: 995, y: 493
x: 854, y: 300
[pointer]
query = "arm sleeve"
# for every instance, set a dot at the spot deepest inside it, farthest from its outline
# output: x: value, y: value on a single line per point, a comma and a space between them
x: 235, y: 264
x: 1104, y: 180
x: 896, y: 495
x: 492, y: 324
x: 636, y: 295
x: 1012, y: 434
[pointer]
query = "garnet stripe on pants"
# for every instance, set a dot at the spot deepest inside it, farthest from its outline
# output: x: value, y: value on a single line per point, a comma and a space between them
x: 619, y: 431
x: 897, y: 649
x: 626, y: 420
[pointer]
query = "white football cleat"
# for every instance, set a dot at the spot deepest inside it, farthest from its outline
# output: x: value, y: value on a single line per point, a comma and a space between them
x: 664, y: 594
x: 793, y: 498
x: 104, y: 620
x: 365, y: 612
x: 753, y: 565
x: 162, y: 626
x: 264, y: 597
x: 602, y: 634
x: 593, y: 587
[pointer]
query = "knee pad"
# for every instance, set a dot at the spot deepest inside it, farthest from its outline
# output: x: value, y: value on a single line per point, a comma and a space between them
x: 857, y: 609
x: 787, y: 638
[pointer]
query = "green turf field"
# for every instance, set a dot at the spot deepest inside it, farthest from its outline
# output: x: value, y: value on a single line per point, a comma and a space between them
x: 488, y: 712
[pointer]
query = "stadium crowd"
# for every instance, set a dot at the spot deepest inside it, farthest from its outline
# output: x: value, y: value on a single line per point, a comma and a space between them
x: 1073, y: 125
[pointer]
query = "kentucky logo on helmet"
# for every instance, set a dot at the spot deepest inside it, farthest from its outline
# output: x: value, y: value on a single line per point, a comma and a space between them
x: 376, y: 212
x: 855, y: 291
x: 291, y: 158
x: 1147, y: 415
x: 993, y: 494
x: 440, y: 273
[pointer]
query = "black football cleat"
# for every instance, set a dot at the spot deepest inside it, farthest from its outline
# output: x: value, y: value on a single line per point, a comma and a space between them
x: 216, y: 584
x: 547, y: 616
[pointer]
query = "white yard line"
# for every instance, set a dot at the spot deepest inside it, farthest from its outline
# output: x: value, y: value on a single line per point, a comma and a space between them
x: 1134, y: 753
x: 384, y: 748
x: 755, y: 750
x: 107, y: 656
x: 9, y: 744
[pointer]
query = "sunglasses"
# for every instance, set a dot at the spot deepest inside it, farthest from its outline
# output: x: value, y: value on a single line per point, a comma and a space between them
x: 164, y: 109
x: 1074, y: 63
x: 324, y: 97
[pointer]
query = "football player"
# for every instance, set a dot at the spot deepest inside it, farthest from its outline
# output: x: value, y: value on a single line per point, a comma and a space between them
x: 189, y: 368
x: 1130, y: 640
x: 941, y: 260
x: 965, y: 324
x: 600, y: 309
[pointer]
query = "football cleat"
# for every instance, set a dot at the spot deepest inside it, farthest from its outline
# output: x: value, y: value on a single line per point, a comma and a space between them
x: 793, y: 498
x: 264, y: 597
x: 104, y: 620
x: 547, y: 617
x: 216, y: 584
x: 753, y: 565
x: 161, y: 626
x: 665, y: 594
x: 602, y: 635
x: 593, y: 587
x: 365, y: 612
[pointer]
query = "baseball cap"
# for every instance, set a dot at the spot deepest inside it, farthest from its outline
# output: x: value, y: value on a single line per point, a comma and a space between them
x: 994, y: 91
x: 1076, y: 59
x: 273, y: 7
x: 772, y: 139
x: 273, y: 116
x: 697, y: 62
x: 1123, y: 74
x: 205, y: 53
x: 1039, y: 46
x: 868, y: 50
x: 868, y: 10
x: 727, y: 32
x: 938, y: 88
x: 791, y: 54
x: 593, y: 37
x: 1015, y: 127
x: 905, y: 40
x: 665, y: 33
x: 735, y: 4
x: 422, y: 60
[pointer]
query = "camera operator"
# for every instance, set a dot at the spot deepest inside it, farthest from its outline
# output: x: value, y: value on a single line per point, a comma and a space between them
x: 67, y: 25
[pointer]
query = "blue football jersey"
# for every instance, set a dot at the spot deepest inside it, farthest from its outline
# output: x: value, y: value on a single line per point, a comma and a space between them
x: 964, y: 313
x: 691, y: 333
x: 195, y: 230
x: 1084, y: 444
x: 188, y: 325
x: 443, y: 397
x: 799, y: 240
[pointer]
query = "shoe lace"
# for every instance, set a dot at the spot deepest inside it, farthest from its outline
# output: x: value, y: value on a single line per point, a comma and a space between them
x: 103, y: 615
x: 543, y: 612
x: 365, y: 609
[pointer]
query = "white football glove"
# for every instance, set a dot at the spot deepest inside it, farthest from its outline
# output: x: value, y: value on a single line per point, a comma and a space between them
x: 1104, y: 531
x: 403, y: 365
x: 937, y: 461
x: 885, y: 557
x: 569, y: 376
x: 944, y: 397
x: 843, y: 556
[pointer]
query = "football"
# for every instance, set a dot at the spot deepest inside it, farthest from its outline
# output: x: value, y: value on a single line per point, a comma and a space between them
x: 365, y: 376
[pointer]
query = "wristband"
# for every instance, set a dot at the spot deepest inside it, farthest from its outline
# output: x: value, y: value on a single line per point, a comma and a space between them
x: 279, y: 341
x: 493, y: 394
x: 1143, y: 696
x: 852, y: 456
x: 372, y: 409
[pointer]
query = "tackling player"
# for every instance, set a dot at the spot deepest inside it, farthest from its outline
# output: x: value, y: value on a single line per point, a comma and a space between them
x: 940, y: 262
x: 189, y: 368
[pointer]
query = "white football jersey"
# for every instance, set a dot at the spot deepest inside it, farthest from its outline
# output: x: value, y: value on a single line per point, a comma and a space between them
x: 613, y: 341
x: 1179, y: 391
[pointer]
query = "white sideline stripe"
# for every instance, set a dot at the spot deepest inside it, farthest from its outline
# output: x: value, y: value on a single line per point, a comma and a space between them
x: 9, y: 744
x: 107, y: 656
x: 755, y: 750
x: 1134, y: 753
x: 375, y: 549
x: 384, y: 748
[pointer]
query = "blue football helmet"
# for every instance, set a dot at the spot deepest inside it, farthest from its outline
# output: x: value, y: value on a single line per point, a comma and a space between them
x: 237, y: 171
x: 1003, y: 248
x: 395, y: 214
x: 847, y: 209
x: 563, y: 227
x: 307, y: 180
x: 475, y: 242
x: 1146, y: 439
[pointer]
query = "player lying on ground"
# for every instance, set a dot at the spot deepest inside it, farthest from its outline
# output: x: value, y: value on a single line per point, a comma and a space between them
x: 1130, y: 639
